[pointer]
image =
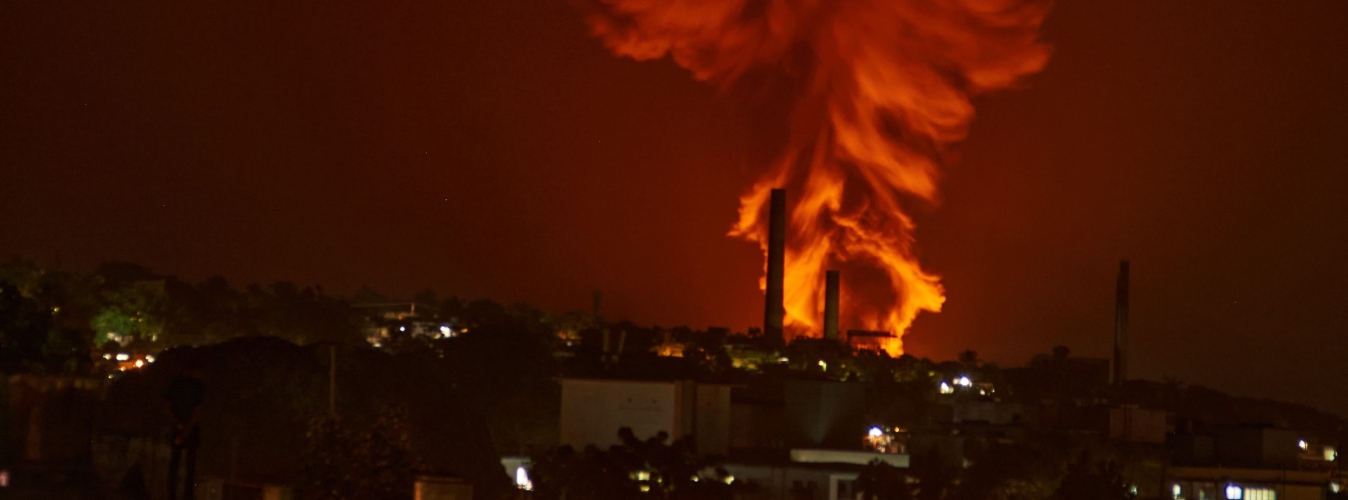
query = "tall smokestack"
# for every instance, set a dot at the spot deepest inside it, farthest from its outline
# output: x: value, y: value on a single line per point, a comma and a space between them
x: 774, y: 312
x: 831, y: 290
x: 1121, y: 325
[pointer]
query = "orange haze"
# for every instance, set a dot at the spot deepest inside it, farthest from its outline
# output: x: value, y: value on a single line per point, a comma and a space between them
x: 884, y: 92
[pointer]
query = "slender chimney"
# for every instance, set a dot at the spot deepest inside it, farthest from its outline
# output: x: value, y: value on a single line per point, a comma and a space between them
x: 774, y: 312
x: 598, y: 301
x: 1121, y: 325
x: 831, y: 290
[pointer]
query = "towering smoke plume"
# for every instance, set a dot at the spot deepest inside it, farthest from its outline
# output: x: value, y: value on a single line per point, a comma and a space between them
x: 884, y: 89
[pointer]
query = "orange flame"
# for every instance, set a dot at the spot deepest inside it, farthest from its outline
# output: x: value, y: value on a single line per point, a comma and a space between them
x: 885, y: 92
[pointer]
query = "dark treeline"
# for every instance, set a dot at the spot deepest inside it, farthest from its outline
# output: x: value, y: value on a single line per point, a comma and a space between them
x: 54, y: 319
x: 506, y: 356
x: 492, y: 370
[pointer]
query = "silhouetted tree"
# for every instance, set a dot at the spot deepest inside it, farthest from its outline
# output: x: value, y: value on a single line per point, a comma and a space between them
x: 935, y: 481
x: 1096, y: 481
x: 969, y: 358
x: 344, y: 461
x: 636, y: 468
x: 24, y: 326
x: 881, y: 481
x: 1011, y: 472
x: 504, y: 365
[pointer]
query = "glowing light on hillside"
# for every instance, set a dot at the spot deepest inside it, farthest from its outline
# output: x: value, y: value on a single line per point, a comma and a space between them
x: 522, y: 480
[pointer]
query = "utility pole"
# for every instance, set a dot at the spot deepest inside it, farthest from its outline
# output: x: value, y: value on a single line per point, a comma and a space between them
x: 332, y: 381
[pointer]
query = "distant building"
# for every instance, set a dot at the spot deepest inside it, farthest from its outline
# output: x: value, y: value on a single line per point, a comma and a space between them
x: 799, y: 414
x: 1255, y: 447
x: 868, y: 340
x: 982, y: 411
x: 1138, y: 425
x: 385, y: 321
x: 1249, y: 463
x: 593, y: 411
x: 1221, y: 483
x: 798, y: 439
x: 1059, y: 378
x: 825, y: 414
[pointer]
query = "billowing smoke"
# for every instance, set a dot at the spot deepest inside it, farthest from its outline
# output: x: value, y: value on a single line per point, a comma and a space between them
x: 883, y: 91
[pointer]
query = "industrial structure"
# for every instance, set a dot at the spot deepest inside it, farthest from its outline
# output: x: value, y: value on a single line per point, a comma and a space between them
x: 831, y: 297
x: 1121, y: 325
x: 774, y: 313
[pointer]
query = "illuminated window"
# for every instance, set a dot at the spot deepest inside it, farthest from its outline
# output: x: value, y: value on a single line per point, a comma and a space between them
x: 1234, y: 492
x: 1260, y: 494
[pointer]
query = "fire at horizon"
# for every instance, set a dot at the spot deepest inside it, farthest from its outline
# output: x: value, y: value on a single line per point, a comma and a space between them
x: 884, y: 94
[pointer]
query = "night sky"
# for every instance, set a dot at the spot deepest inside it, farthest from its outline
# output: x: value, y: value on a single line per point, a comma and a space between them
x: 492, y: 149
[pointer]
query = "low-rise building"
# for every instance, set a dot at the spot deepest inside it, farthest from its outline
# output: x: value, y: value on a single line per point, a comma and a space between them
x: 593, y: 410
x: 1223, y: 483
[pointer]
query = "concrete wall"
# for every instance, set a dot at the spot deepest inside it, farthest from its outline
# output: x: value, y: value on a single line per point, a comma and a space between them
x: 825, y: 414
x: 1137, y: 425
x: 1302, y: 492
x: 988, y: 411
x: 1280, y: 448
x: 754, y: 425
x: 1256, y: 447
x: 712, y: 419
x: 594, y: 410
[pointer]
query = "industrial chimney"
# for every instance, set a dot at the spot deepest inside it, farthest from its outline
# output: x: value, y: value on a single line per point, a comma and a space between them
x: 774, y: 312
x: 598, y: 302
x: 1121, y: 325
x: 831, y: 285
